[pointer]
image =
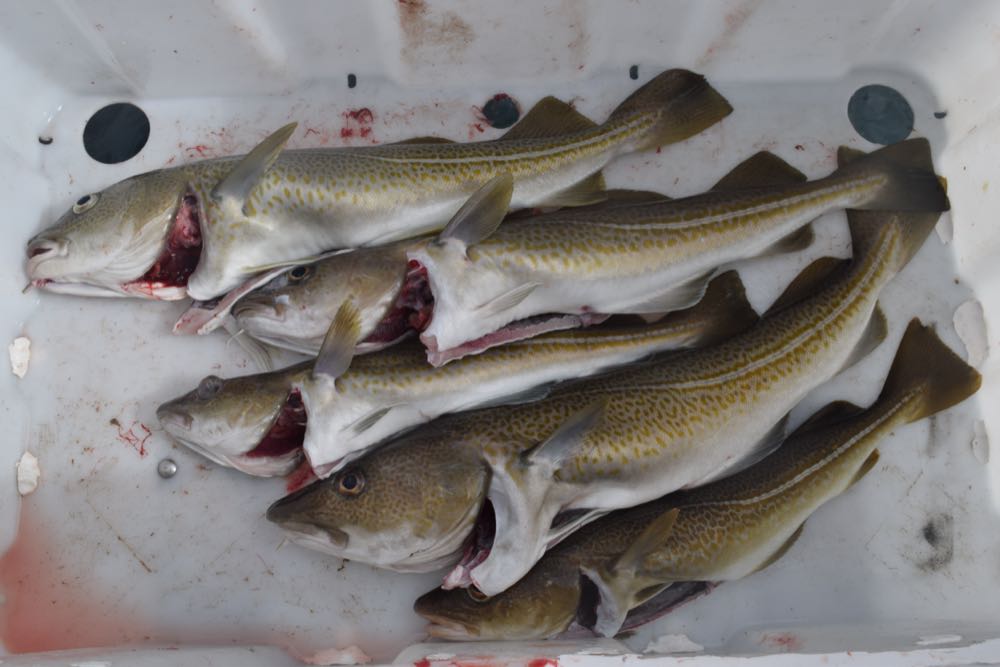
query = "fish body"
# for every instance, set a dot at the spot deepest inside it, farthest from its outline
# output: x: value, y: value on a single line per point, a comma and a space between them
x: 655, y: 257
x: 253, y: 423
x: 630, y: 436
x: 202, y: 229
x: 384, y: 394
x: 723, y: 531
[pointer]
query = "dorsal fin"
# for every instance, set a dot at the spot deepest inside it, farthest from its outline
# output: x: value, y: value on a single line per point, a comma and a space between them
x: 338, y: 346
x: 759, y: 170
x: 243, y: 178
x: 809, y: 280
x: 482, y: 213
x: 550, y: 117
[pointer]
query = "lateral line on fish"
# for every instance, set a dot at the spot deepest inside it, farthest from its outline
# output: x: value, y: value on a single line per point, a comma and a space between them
x: 779, y: 203
x: 843, y: 304
x: 605, y: 136
x: 826, y: 460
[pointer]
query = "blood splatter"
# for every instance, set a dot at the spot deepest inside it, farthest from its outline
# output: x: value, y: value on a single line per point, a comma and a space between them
x: 358, y: 123
x: 543, y: 662
x: 136, y: 441
x: 785, y: 641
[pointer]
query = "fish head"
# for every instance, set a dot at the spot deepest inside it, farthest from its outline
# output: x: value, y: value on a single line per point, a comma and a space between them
x: 407, y: 506
x: 467, y: 287
x: 139, y: 237
x: 294, y: 309
x: 541, y: 605
x: 254, y: 423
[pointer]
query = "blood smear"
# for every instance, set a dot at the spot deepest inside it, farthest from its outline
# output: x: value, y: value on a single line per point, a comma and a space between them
x: 48, y: 605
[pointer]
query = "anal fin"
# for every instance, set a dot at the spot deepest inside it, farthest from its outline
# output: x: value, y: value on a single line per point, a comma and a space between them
x: 767, y: 444
x: 508, y: 299
x: 873, y: 335
x: 783, y: 549
x: 800, y: 239
x: 865, y: 468
x: 676, y: 297
x: 550, y: 117
x: 591, y: 190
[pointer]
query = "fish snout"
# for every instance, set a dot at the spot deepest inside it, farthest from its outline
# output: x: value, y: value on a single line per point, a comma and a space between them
x: 41, y: 250
x: 173, y: 419
x: 292, y: 513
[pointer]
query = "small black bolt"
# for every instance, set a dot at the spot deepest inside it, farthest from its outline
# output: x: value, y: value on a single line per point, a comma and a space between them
x: 45, y: 141
x: 633, y: 72
x: 351, y: 80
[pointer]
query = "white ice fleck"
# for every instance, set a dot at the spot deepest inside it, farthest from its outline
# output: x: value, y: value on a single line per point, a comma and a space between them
x: 439, y: 656
x: 20, y: 353
x: 673, y: 644
x: 980, y: 442
x: 945, y: 229
x: 970, y: 325
x: 934, y: 640
x: 351, y: 655
x: 90, y: 663
x: 28, y: 473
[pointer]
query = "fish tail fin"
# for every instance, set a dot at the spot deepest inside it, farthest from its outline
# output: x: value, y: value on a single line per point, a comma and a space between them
x: 908, y: 172
x: 681, y: 103
x: 617, y: 584
x: 924, y: 365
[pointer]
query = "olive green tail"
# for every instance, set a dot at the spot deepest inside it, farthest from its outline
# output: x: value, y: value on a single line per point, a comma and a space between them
x: 927, y: 368
x: 682, y: 102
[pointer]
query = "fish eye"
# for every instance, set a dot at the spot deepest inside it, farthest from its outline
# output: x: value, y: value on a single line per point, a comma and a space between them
x: 476, y: 595
x: 209, y: 387
x: 351, y: 482
x: 84, y: 203
x: 300, y: 273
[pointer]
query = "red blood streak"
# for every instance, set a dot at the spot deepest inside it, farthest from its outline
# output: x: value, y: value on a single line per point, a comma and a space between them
x: 423, y: 662
x: 543, y: 662
x: 51, y: 605
x: 786, y: 641
x: 363, y: 116
x: 310, y: 130
x: 132, y: 439
x: 182, y: 249
x: 346, y: 132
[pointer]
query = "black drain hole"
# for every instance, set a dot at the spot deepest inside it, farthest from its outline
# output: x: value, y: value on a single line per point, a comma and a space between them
x: 880, y: 114
x: 116, y: 133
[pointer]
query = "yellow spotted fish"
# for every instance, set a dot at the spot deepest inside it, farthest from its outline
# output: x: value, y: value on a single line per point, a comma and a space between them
x: 200, y: 230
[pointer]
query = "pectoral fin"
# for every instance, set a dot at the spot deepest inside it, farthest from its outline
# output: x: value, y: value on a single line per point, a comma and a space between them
x: 866, y: 467
x: 240, y: 182
x: 508, y: 299
x: 566, y: 439
x: 256, y: 351
x: 370, y: 420
x: 337, y: 350
x: 482, y: 213
x: 674, y: 298
x: 872, y: 337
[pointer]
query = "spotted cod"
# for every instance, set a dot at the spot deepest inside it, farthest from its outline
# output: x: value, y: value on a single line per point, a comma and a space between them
x: 202, y: 229
x: 491, y: 284
x: 723, y: 531
x: 609, y: 442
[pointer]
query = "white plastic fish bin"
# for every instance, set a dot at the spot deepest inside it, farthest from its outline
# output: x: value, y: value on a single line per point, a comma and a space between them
x: 115, y: 554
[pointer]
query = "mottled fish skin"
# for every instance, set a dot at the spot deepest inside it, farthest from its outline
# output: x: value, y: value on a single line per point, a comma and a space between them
x: 723, y: 531
x: 294, y: 310
x: 310, y: 201
x: 226, y: 420
x: 634, y: 259
x: 399, y: 390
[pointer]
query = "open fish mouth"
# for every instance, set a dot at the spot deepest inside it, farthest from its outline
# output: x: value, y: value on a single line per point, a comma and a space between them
x: 418, y: 296
x: 477, y: 548
x: 276, y: 454
x: 165, y: 280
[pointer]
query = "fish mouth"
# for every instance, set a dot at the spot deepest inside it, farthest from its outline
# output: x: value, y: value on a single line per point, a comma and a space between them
x: 289, y: 512
x: 477, y: 548
x: 276, y: 454
x: 441, y: 627
x: 165, y: 280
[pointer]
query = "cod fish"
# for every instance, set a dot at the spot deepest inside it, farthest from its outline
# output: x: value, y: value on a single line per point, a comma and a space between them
x: 253, y: 423
x: 724, y: 531
x: 486, y: 281
x: 295, y: 309
x: 626, y: 437
x: 377, y: 398
x: 200, y: 230
x: 234, y: 422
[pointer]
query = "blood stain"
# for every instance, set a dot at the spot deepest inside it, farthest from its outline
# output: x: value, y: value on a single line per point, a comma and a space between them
x: 300, y: 477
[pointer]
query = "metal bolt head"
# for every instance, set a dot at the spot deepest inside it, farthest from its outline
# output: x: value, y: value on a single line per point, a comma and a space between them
x: 166, y: 468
